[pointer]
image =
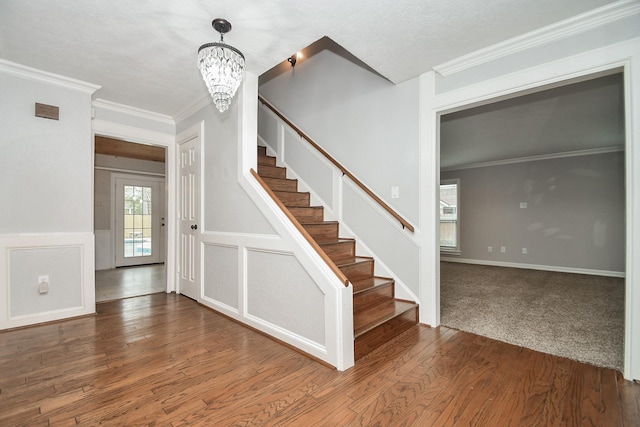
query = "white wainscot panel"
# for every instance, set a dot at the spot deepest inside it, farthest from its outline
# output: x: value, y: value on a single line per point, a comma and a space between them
x: 280, y: 292
x: 220, y: 275
x: 63, y: 268
x: 67, y: 261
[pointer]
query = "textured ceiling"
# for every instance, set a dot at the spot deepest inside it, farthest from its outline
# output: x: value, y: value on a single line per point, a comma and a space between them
x: 143, y: 53
x: 582, y: 116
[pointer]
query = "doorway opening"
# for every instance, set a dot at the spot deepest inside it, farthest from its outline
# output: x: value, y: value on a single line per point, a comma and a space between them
x: 129, y: 218
x: 542, y: 215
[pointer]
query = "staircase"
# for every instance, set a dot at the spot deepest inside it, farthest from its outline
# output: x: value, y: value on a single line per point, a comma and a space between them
x: 377, y: 315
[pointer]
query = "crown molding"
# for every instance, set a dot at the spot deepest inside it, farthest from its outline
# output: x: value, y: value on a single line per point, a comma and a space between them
x: 560, y: 30
x: 131, y: 133
x: 588, y: 152
x: 193, y: 108
x: 29, y: 73
x: 132, y: 111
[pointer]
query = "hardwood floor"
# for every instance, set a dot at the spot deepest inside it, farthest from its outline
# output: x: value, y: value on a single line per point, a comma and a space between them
x: 127, y: 282
x: 164, y: 360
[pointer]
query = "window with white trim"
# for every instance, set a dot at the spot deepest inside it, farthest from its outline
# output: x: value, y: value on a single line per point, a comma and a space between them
x: 450, y: 215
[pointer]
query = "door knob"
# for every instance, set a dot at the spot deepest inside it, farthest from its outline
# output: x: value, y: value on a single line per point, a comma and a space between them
x: 194, y: 227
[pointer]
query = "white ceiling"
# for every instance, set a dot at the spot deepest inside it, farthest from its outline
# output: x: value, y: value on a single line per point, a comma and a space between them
x: 143, y: 52
x: 588, y: 115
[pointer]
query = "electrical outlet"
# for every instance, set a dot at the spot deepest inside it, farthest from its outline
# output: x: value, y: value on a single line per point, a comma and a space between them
x: 523, y: 205
x: 43, y: 284
x: 489, y: 249
x: 503, y: 249
x: 524, y: 251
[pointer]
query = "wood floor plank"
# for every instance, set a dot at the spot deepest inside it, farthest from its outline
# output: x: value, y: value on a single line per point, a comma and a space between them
x: 472, y: 384
x: 611, y: 412
x: 416, y: 377
x: 538, y: 385
x: 628, y: 400
x: 590, y: 405
x: 505, y: 408
x: 17, y: 415
x: 572, y: 381
x: 164, y: 360
x: 487, y: 381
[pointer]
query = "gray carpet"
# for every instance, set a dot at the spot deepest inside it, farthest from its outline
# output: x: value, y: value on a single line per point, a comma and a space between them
x: 576, y: 316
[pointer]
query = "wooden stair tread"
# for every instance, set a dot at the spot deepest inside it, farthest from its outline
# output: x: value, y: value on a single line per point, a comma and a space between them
x: 271, y: 171
x: 265, y: 160
x: 336, y: 242
x: 325, y: 231
x: 279, y: 184
x: 307, y: 207
x: 285, y: 193
x: 275, y: 179
x: 319, y: 223
x: 370, y: 283
x: 354, y: 260
x: 367, y: 320
x: 338, y: 249
x: 377, y: 315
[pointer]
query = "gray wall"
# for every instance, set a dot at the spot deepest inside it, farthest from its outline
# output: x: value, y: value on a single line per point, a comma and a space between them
x: 227, y: 208
x: 254, y: 270
x: 46, y: 184
x: 574, y: 216
x: 377, y: 234
x: 362, y: 120
x: 46, y: 165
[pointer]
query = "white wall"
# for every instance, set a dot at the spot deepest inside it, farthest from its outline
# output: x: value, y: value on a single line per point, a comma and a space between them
x: 573, y: 220
x: 365, y: 122
x: 252, y: 267
x: 226, y: 207
x: 46, y: 187
x: 368, y: 125
x: 499, y: 75
x: 45, y: 193
x: 377, y: 233
x: 544, y: 47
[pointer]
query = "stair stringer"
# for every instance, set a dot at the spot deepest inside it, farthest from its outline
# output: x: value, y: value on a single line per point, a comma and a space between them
x: 338, y: 349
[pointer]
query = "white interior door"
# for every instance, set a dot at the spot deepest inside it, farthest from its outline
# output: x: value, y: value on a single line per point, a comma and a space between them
x: 189, y: 218
x: 138, y: 213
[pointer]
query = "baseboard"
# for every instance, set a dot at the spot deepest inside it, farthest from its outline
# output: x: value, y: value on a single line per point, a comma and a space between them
x: 555, y: 268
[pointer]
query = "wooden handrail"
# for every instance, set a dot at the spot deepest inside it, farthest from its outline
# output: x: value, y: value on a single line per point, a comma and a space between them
x: 403, y: 222
x: 302, y: 231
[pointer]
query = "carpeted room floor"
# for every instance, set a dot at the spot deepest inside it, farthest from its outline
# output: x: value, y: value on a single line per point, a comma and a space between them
x: 577, y: 316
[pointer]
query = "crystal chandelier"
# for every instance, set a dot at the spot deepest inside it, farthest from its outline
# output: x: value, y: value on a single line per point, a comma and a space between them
x: 222, y: 67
